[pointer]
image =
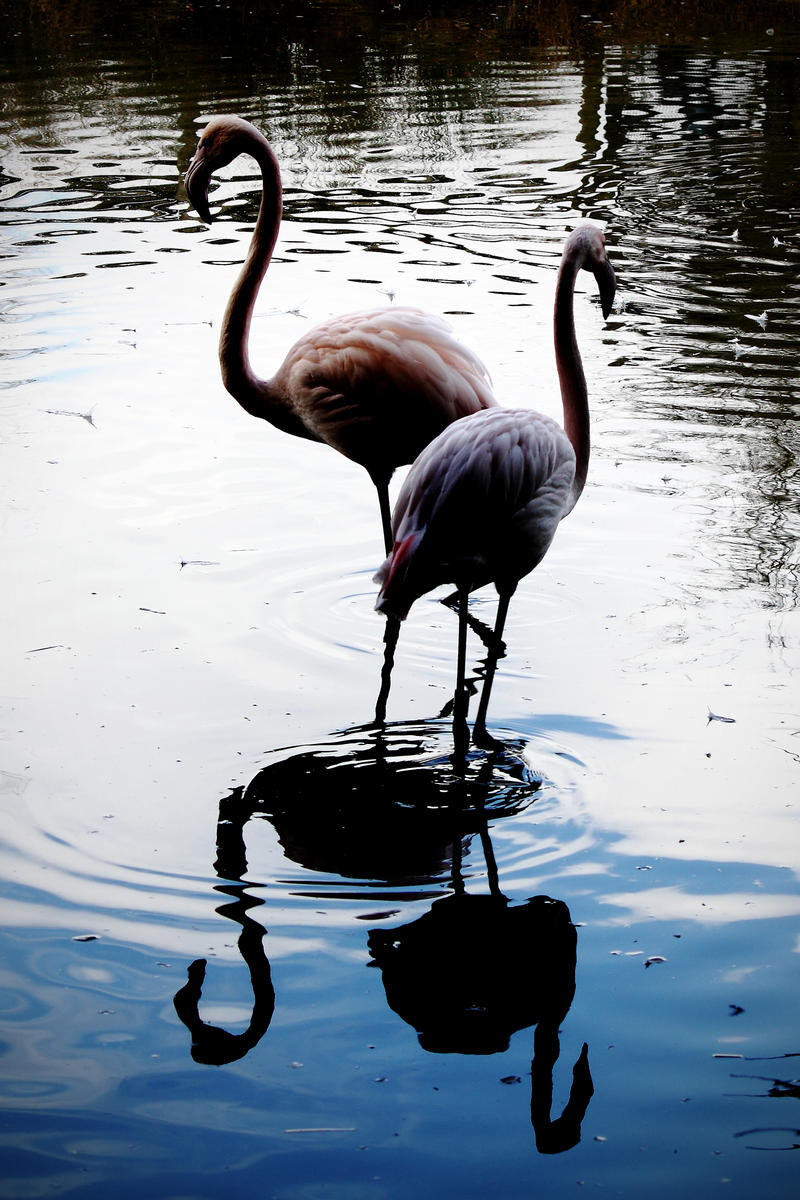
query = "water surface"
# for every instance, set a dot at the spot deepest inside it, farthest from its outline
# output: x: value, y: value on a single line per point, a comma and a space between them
x: 191, y: 657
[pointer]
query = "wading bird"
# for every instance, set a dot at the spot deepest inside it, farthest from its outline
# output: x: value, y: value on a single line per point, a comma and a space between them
x: 377, y: 386
x: 483, y: 501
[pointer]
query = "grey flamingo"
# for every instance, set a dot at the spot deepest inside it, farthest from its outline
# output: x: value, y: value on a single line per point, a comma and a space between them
x: 483, y: 501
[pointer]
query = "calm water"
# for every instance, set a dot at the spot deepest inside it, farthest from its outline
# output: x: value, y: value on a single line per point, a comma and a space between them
x: 191, y: 657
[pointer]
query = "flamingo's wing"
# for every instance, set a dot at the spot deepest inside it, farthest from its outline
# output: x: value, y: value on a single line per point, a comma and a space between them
x: 481, y: 504
x: 379, y: 386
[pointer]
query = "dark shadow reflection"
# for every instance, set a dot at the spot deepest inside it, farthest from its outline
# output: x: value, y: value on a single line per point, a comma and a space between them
x: 382, y: 805
x: 211, y: 1044
x: 385, y: 808
x: 475, y: 969
x: 378, y: 806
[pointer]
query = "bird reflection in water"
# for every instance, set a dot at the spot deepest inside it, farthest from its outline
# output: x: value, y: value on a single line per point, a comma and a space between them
x: 378, y: 808
x: 378, y: 805
x: 475, y: 969
x: 341, y: 809
x: 211, y: 1044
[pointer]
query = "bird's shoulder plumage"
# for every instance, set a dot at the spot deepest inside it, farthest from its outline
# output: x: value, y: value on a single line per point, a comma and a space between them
x: 392, y: 375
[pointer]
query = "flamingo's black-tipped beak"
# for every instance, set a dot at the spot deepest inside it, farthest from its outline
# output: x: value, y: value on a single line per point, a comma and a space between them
x: 196, y: 182
x: 607, y: 284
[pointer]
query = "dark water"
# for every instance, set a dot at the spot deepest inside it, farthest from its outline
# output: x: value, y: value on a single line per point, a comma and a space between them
x: 188, y: 772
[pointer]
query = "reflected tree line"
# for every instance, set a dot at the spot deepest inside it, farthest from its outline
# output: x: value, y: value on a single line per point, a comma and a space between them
x: 468, y: 974
x: 722, y: 239
x: 509, y: 23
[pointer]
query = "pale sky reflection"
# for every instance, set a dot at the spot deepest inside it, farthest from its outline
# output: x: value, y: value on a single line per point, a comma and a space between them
x: 709, y: 908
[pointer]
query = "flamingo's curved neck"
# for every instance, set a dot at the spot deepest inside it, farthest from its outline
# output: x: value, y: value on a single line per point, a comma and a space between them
x: 253, y: 394
x: 570, y: 372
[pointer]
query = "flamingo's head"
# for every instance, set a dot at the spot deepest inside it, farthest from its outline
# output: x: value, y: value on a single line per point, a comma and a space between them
x: 593, y: 257
x: 222, y: 140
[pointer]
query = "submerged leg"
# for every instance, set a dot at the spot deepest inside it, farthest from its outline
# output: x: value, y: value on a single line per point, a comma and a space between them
x: 479, y: 734
x: 460, y: 728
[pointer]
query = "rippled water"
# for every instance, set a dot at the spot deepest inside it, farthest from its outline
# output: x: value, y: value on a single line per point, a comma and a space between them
x: 190, y: 769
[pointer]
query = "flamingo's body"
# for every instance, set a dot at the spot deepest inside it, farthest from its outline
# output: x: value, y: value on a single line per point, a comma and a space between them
x: 483, y: 501
x: 480, y: 505
x: 377, y: 386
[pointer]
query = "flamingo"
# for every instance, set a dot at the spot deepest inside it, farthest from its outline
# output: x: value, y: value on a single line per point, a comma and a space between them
x: 483, y: 501
x: 377, y: 386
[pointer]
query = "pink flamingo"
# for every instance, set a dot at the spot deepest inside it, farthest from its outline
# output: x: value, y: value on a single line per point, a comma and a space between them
x: 483, y: 501
x: 377, y: 386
